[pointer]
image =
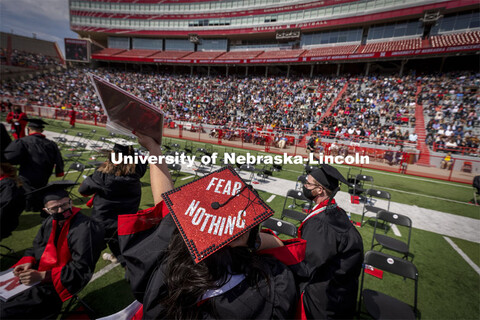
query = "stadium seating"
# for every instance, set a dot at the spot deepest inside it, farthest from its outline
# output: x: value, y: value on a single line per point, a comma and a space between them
x: 456, y: 39
x: 398, y: 45
x: 204, y: 55
x: 109, y: 52
x: 281, y: 54
x: 170, y: 54
x: 239, y: 55
x: 137, y: 53
x: 328, y: 51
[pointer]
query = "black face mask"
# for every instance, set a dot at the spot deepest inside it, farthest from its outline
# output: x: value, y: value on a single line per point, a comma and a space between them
x: 308, y: 194
x: 62, y: 215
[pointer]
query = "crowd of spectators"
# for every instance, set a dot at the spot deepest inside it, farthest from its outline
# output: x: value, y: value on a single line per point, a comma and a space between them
x: 451, y: 104
x: 28, y: 59
x: 376, y: 109
x: 273, y: 103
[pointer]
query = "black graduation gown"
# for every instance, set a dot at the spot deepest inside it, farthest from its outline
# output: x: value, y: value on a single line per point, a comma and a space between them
x: 144, y: 239
x: 4, y: 140
x: 37, y: 156
x: 12, y: 204
x: 114, y: 195
x: 72, y: 271
x: 333, y: 261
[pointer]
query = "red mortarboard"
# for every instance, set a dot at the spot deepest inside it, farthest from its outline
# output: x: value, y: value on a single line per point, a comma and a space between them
x: 215, y: 210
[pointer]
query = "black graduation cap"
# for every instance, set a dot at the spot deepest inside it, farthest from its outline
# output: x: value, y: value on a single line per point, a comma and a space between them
x: 36, y: 123
x: 123, y: 149
x: 328, y: 177
x: 54, y: 190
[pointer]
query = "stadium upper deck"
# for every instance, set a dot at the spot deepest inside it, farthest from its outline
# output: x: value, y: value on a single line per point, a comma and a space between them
x: 306, y: 31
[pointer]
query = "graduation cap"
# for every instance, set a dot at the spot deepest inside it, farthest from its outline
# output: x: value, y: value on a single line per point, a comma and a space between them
x: 329, y: 177
x: 36, y: 123
x: 54, y: 190
x: 123, y: 149
x: 215, y: 210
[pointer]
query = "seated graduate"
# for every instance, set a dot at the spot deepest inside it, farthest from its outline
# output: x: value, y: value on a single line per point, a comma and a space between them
x: 12, y: 199
x: 196, y: 254
x: 62, y: 259
x: 117, y: 190
x: 334, y: 253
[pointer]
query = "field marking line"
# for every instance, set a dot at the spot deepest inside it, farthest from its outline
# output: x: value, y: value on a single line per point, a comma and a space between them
x: 271, y: 198
x: 421, y: 195
x: 405, y: 176
x: 428, y: 196
x: 463, y: 255
x: 395, y: 230
x: 104, y: 271
x: 186, y: 178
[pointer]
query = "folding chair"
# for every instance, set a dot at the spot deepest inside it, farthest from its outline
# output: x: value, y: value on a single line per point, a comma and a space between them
x: 77, y: 139
x: 359, y: 185
x: 248, y: 168
x: 301, y: 180
x: 188, y: 147
x: 352, y: 173
x: 264, y: 173
x: 389, y: 242
x: 288, y: 209
x: 174, y: 170
x: 62, y: 136
x: 368, y: 204
x: 202, y: 169
x: 80, y: 168
x: 380, y: 305
x: 280, y: 227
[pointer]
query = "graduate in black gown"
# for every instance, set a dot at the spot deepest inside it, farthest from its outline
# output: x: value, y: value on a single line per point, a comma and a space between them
x: 334, y: 253
x: 117, y: 190
x: 12, y: 195
x: 37, y: 157
x: 233, y: 280
x: 63, y: 257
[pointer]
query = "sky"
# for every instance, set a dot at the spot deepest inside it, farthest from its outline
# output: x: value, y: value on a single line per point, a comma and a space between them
x: 48, y: 19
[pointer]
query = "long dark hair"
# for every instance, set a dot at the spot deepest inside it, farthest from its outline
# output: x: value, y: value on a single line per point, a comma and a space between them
x: 187, y: 282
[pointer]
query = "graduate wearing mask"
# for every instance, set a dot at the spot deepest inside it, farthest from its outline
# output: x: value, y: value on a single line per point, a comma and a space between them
x: 37, y: 157
x: 117, y: 190
x: 62, y: 258
x: 334, y: 253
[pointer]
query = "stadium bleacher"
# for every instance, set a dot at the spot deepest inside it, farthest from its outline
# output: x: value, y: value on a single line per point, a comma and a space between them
x: 456, y: 39
x: 395, y: 45
x: 281, y: 54
x: 331, y: 50
x: 239, y: 55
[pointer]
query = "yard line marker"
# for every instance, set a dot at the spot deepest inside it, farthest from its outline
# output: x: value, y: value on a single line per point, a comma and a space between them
x: 427, y: 196
x: 463, y: 255
x: 104, y: 270
x: 271, y: 198
x: 186, y: 178
x: 395, y: 230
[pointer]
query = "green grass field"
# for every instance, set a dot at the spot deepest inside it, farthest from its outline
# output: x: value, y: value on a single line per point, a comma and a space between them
x: 449, y: 288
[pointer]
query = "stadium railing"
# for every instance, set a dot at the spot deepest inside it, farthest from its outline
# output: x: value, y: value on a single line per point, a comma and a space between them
x: 381, y: 157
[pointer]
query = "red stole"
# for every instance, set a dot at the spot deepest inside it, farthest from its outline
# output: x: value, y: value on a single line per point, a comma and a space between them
x: 57, y: 256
